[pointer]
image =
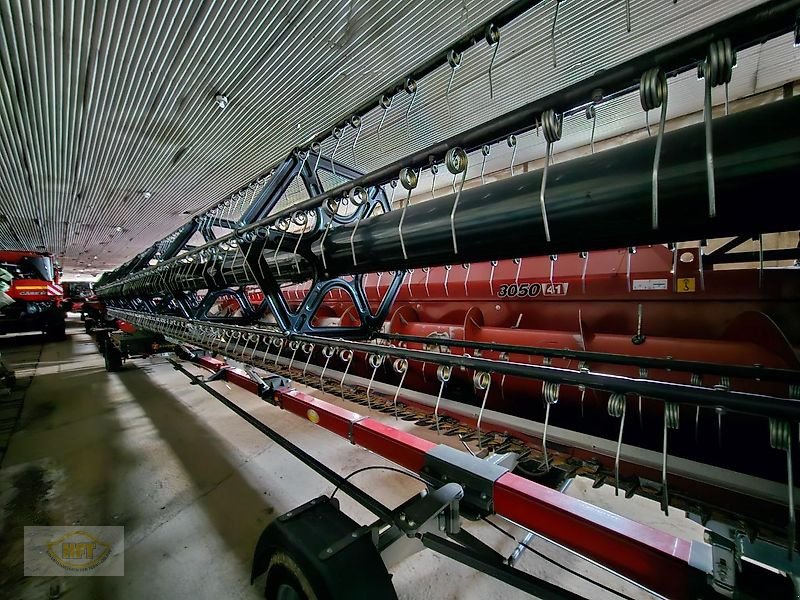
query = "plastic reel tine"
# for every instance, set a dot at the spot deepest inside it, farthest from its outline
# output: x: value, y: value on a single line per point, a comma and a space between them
x: 283, y: 224
x: 550, y: 393
x: 653, y: 93
x: 408, y: 179
x: 643, y: 374
x: 591, y: 115
x: 356, y: 123
x: 294, y: 346
x: 584, y: 256
x: 336, y: 132
x: 628, y: 15
x: 301, y: 219
x: 400, y: 365
x: 327, y: 352
x: 492, y: 37
x: 457, y: 163
x: 443, y: 373
x: 411, y: 88
x: 358, y: 196
x: 616, y: 408
x: 511, y: 142
x: 491, y: 277
x: 347, y: 356
x: 552, y: 124
x: 553, y: 33
x: 629, y: 260
x: 482, y: 381
x: 671, y: 421
x: 485, y: 151
x: 316, y: 148
x: 583, y: 368
x: 454, y: 60
x: 717, y: 69
x: 375, y: 361
x: 385, y: 102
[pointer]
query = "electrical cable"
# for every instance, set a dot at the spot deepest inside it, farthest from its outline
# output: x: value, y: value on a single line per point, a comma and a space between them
x: 375, y: 467
x: 556, y: 563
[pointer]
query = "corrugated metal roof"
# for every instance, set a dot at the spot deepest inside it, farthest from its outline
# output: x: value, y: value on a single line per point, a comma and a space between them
x: 103, y: 104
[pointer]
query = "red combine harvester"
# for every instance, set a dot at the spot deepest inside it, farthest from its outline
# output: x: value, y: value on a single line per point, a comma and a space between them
x: 76, y: 293
x: 36, y: 293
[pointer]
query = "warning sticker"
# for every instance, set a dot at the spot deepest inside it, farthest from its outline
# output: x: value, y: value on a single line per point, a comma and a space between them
x: 685, y: 285
x: 650, y: 284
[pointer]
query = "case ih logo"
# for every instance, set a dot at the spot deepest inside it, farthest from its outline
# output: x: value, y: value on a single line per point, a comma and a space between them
x: 52, y: 289
x: 78, y: 551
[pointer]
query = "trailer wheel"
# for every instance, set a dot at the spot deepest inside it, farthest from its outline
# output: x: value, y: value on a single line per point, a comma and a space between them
x: 286, y: 580
x: 88, y: 324
x: 303, y: 557
x: 113, y: 357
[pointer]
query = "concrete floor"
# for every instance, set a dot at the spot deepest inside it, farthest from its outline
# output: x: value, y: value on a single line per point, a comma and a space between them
x: 194, y: 485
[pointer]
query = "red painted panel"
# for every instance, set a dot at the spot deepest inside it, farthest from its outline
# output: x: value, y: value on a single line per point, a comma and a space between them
x: 651, y: 557
x: 327, y: 415
x: 400, y: 447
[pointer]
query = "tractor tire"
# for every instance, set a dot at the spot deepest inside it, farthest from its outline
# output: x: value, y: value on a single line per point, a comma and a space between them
x: 113, y: 357
x: 56, y: 328
x: 88, y: 324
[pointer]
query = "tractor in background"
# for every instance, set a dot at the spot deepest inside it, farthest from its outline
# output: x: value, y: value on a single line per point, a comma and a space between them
x: 75, y: 295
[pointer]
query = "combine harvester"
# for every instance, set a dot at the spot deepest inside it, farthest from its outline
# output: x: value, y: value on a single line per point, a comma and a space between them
x: 559, y: 323
x: 36, y: 292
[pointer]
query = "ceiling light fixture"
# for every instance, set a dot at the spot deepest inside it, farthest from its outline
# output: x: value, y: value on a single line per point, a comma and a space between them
x: 222, y: 101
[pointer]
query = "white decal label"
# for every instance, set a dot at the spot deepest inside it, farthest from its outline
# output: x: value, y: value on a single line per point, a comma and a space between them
x: 532, y: 290
x: 650, y: 284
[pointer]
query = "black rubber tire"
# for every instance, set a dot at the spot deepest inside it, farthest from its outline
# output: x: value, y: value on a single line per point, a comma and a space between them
x: 88, y: 324
x: 285, y: 580
x: 113, y: 357
x: 56, y: 328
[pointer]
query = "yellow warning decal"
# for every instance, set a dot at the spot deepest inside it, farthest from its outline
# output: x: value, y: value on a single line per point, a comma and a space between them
x: 685, y: 284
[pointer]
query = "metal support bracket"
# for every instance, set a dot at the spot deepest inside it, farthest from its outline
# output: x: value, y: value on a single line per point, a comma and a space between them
x: 723, y: 555
x: 475, y: 475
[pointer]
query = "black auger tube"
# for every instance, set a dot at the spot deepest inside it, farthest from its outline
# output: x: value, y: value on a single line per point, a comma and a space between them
x: 603, y: 201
